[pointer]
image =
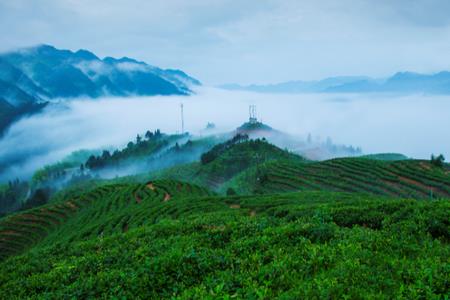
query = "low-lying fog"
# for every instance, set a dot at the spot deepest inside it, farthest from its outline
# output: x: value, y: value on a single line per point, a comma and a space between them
x: 413, y: 125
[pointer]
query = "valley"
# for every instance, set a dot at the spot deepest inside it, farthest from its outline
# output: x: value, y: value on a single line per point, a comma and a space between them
x: 191, y: 150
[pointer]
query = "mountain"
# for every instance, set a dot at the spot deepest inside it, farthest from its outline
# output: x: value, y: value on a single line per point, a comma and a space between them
x: 54, y: 73
x: 401, y: 82
x: 15, y: 103
x: 30, y: 77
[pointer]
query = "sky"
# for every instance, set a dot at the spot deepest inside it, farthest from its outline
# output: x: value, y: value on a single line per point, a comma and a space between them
x: 253, y: 41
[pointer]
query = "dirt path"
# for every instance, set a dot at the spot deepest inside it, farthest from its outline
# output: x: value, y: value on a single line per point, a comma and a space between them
x: 9, y: 232
x: 235, y: 206
x: 425, y: 166
x: 415, y: 182
x: 25, y: 216
x: 167, y: 197
x: 72, y: 205
x: 214, y: 227
x: 138, y: 199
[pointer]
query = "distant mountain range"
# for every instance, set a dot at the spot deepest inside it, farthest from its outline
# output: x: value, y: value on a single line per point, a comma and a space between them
x: 402, y: 82
x: 32, y: 76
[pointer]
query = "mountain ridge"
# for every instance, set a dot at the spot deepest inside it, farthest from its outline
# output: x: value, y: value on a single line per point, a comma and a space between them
x: 35, y: 75
x: 400, y: 82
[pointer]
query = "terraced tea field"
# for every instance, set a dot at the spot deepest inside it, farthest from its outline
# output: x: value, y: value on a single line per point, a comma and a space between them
x: 171, y: 240
x: 408, y: 178
x: 108, y: 209
x: 343, y: 228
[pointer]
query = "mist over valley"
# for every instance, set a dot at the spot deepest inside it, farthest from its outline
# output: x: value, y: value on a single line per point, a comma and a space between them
x: 229, y: 150
x: 403, y: 124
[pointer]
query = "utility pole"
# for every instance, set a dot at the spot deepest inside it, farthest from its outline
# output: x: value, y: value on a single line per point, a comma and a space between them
x: 182, y: 118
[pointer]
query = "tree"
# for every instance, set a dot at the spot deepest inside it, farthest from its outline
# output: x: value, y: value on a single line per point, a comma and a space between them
x: 437, y: 161
x: 138, y: 139
x: 148, y: 134
x: 231, y: 192
x: 40, y: 197
x: 91, y: 163
x: 106, y: 155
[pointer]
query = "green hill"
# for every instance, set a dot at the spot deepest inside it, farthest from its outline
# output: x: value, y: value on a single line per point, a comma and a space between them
x: 343, y: 228
x: 226, y: 160
x: 98, y: 211
x: 256, y: 166
x: 386, y: 156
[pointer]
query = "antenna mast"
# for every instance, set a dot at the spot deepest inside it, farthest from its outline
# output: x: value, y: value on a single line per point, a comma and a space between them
x: 182, y: 118
x: 252, y: 114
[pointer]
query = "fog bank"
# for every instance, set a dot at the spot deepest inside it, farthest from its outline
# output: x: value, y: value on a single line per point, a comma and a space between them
x: 413, y: 125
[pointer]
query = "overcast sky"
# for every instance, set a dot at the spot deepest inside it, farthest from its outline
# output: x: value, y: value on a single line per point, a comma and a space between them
x: 259, y: 41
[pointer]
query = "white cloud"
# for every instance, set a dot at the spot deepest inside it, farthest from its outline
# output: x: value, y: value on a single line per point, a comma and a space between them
x: 243, y: 41
x: 377, y: 123
x: 132, y: 67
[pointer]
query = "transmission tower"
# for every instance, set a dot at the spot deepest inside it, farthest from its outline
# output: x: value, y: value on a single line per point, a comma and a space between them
x: 252, y: 114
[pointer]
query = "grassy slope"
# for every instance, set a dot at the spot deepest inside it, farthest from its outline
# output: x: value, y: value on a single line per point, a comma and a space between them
x: 129, y: 240
x: 386, y: 156
x: 408, y: 178
x: 259, y: 167
x: 234, y: 160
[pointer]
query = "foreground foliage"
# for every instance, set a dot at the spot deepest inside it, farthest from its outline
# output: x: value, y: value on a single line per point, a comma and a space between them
x: 295, y: 245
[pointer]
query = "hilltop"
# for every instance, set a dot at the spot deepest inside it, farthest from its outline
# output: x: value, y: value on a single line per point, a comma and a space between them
x: 225, y: 161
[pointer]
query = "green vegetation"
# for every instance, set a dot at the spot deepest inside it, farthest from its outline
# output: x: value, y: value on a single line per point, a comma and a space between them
x: 408, y: 178
x: 227, y: 160
x: 12, y: 195
x: 386, y: 156
x: 82, y: 169
x: 142, y: 147
x: 246, y: 221
x: 135, y: 241
x: 438, y: 161
x: 253, y: 126
x: 219, y: 149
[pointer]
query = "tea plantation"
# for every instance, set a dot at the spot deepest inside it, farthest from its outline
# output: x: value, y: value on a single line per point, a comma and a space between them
x: 351, y: 228
x: 168, y: 239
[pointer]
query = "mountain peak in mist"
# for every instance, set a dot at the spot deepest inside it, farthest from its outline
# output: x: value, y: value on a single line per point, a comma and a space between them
x: 64, y: 73
x: 31, y: 76
x: 85, y: 54
x: 125, y: 59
